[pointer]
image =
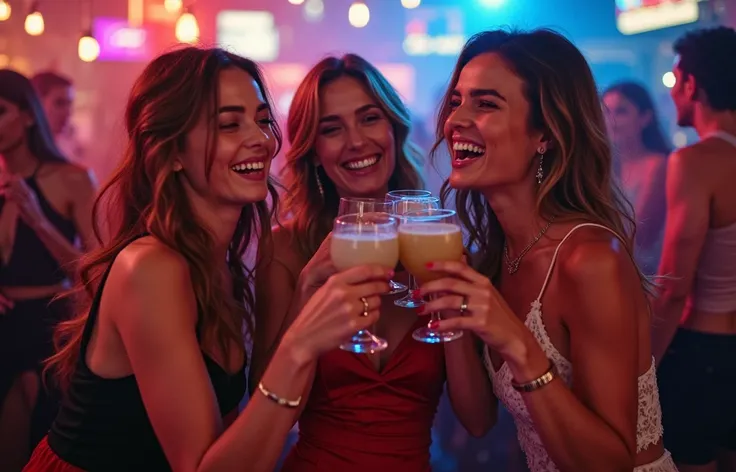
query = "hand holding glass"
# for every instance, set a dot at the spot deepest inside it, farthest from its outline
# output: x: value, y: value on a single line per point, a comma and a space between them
x: 430, y: 236
x: 365, y: 239
x: 362, y: 206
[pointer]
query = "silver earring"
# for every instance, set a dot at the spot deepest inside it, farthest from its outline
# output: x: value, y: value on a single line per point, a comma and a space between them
x: 540, y: 170
x: 319, y: 182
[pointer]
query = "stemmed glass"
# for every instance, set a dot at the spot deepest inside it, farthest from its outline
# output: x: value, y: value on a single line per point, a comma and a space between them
x: 370, y: 238
x: 430, y: 236
x: 362, y: 206
x: 402, y: 207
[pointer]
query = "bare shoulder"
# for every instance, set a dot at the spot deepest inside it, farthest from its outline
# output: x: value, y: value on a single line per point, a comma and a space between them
x: 147, y: 267
x: 593, y: 256
x: 599, y: 276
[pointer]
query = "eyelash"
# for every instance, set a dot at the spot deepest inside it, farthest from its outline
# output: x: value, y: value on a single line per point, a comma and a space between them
x: 481, y: 104
x: 262, y: 122
x: 370, y: 119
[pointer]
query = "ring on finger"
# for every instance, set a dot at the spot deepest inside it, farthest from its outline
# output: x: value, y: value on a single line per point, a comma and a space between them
x: 366, y: 308
x: 464, y: 305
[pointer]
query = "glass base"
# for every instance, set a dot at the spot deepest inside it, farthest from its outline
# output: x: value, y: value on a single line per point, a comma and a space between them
x: 432, y: 336
x: 396, y: 287
x: 409, y: 302
x: 364, y: 343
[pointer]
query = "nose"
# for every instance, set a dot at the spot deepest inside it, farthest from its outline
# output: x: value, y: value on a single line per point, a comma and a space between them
x: 355, y: 137
x: 255, y: 136
x: 458, y: 118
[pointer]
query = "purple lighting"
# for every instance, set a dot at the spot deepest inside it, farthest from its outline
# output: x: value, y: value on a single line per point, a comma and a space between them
x: 121, y: 42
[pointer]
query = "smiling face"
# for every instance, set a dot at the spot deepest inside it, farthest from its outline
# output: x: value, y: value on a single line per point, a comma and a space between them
x: 355, y: 142
x: 244, y: 144
x: 488, y: 127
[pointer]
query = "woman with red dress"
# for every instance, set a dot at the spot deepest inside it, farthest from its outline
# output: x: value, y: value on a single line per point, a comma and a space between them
x: 364, y: 412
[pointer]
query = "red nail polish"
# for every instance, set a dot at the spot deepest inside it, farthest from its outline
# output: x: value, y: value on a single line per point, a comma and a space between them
x: 430, y: 265
x: 420, y: 310
x: 434, y: 324
x: 416, y: 294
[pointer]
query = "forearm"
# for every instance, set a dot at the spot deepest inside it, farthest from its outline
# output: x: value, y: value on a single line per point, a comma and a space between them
x: 469, y: 387
x: 65, y: 253
x: 665, y: 321
x: 574, y: 436
x: 256, y: 438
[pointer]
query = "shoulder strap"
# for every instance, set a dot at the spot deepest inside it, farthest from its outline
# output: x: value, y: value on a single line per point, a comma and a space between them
x: 557, y: 250
x: 95, y: 306
x: 728, y: 137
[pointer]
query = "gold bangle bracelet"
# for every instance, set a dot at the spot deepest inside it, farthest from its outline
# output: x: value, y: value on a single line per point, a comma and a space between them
x: 537, y: 383
x: 277, y: 399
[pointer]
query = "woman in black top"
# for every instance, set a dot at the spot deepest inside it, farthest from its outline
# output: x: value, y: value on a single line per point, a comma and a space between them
x: 154, y: 368
x: 45, y: 206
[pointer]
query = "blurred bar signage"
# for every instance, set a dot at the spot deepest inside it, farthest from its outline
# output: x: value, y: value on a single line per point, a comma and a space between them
x: 639, y: 16
x: 435, y: 31
x: 252, y: 34
x: 121, y: 42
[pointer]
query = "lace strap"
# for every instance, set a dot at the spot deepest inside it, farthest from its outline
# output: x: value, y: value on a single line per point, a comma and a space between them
x: 557, y: 250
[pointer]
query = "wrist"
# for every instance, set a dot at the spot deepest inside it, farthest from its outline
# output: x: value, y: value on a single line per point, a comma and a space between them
x: 526, y: 359
x: 295, y: 351
x: 39, y: 224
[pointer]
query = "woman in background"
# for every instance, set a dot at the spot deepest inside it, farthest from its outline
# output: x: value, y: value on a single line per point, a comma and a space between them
x: 45, y: 223
x: 349, y: 134
x: 640, y: 152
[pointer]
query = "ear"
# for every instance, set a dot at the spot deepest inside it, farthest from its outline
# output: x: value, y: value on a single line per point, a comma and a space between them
x: 545, y: 143
x: 28, y: 120
x: 690, y: 88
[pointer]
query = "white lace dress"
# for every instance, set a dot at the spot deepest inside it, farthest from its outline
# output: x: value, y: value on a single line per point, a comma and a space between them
x: 649, y: 422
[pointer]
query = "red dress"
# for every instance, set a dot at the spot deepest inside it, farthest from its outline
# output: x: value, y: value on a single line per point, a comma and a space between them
x: 362, y: 420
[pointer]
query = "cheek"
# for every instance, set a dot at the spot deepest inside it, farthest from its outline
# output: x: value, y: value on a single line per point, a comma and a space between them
x: 328, y: 151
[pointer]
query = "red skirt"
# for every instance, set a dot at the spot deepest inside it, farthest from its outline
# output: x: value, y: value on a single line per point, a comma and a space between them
x: 46, y: 460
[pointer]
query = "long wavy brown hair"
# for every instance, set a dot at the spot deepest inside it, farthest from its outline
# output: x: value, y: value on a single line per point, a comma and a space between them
x: 144, y: 195
x: 311, y: 214
x: 564, y: 103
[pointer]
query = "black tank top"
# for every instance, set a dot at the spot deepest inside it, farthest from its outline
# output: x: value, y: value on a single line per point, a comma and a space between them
x: 102, y: 424
x: 31, y: 263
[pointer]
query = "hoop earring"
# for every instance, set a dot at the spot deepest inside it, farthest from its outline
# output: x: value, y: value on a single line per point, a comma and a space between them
x: 319, y: 182
x: 540, y: 170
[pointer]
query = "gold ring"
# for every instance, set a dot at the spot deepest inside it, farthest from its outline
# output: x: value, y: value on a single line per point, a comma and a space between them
x: 365, y: 306
x: 464, y: 305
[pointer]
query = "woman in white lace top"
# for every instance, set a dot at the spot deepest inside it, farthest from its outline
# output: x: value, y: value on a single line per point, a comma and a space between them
x: 555, y: 295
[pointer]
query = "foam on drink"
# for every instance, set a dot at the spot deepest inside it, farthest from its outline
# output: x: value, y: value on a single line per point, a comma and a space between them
x: 364, y: 248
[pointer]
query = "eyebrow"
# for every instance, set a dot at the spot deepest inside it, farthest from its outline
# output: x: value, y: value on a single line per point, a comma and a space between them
x: 241, y: 109
x: 483, y: 93
x: 360, y: 110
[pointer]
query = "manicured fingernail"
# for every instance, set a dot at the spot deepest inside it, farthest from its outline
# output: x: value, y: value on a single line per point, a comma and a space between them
x: 434, y: 324
x: 430, y: 265
x: 416, y: 294
x: 391, y: 273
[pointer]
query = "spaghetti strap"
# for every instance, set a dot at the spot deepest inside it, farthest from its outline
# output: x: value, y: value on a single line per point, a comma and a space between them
x: 95, y: 306
x: 728, y: 137
x: 557, y: 250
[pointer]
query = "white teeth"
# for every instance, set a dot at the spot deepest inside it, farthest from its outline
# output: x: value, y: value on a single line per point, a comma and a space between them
x: 362, y: 164
x: 248, y: 166
x: 459, y: 146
